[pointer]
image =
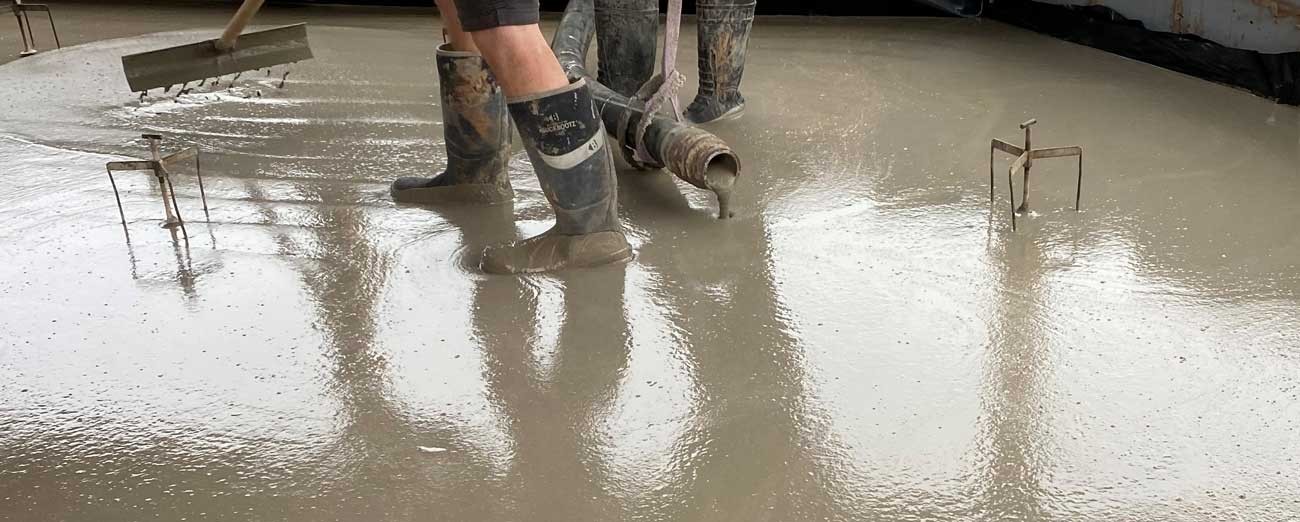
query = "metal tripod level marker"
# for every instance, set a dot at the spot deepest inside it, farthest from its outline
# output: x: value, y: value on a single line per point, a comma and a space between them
x: 159, y: 165
x: 25, y: 25
x: 1025, y: 157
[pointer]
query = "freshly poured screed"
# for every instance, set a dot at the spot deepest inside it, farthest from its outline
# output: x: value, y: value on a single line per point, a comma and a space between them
x: 861, y: 342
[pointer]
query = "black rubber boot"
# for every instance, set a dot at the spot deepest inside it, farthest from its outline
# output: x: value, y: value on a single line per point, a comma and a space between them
x: 626, y: 37
x: 476, y: 129
x: 723, y: 27
x: 566, y: 143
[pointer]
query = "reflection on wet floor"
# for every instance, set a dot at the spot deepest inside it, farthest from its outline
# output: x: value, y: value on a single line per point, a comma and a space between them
x: 1014, y: 466
x: 865, y: 341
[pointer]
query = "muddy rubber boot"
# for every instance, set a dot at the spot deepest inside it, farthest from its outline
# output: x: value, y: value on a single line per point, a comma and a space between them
x: 476, y: 129
x: 723, y: 27
x: 575, y: 168
x: 626, y: 38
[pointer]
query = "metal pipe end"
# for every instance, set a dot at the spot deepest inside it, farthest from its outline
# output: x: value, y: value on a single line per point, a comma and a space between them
x: 705, y: 161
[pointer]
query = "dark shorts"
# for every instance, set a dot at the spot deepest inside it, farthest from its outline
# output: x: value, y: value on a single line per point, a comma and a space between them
x: 478, y: 15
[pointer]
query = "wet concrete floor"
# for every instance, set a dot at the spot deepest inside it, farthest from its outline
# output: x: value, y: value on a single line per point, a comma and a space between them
x: 867, y: 340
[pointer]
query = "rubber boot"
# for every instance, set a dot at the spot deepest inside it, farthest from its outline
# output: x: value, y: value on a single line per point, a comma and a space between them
x: 723, y: 27
x: 476, y: 129
x: 626, y: 37
x: 565, y: 140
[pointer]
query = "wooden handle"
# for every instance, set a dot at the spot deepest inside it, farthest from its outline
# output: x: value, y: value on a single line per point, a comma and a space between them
x: 238, y: 23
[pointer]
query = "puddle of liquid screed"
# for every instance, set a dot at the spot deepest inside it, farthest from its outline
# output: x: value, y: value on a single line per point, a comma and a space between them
x: 861, y: 342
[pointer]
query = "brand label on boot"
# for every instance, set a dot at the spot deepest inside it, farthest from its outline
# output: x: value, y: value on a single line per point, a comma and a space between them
x: 553, y: 124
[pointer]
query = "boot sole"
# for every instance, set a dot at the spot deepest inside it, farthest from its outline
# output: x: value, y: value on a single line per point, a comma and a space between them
x: 618, y: 258
x: 733, y: 114
x: 467, y: 194
x: 623, y: 255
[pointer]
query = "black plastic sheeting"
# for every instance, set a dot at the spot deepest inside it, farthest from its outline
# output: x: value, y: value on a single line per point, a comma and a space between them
x: 1275, y: 76
x: 958, y: 7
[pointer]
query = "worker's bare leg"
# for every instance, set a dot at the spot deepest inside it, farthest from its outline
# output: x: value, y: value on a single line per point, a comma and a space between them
x: 456, y: 36
x: 521, y: 58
